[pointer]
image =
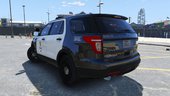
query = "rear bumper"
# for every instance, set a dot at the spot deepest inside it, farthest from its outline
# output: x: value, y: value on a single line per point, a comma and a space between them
x: 94, y: 69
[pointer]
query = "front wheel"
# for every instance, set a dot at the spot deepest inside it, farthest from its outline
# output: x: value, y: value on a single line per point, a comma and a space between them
x: 67, y: 70
x: 32, y: 55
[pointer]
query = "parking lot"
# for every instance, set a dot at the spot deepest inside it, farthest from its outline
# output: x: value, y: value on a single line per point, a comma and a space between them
x: 20, y: 77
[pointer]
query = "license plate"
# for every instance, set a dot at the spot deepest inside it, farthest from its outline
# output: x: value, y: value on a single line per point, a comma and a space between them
x: 126, y: 43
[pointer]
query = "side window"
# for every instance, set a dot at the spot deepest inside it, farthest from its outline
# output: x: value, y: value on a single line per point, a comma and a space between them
x: 46, y: 30
x: 77, y: 26
x: 57, y: 28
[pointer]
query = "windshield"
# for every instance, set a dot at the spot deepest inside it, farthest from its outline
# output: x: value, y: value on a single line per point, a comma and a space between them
x: 111, y: 25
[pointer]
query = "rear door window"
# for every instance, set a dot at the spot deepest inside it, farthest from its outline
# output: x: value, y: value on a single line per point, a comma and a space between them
x: 77, y: 26
x: 57, y: 28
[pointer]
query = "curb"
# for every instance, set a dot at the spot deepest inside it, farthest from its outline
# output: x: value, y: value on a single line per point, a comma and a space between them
x: 155, y: 44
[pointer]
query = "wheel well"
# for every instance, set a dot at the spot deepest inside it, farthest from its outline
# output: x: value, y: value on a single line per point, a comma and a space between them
x: 60, y: 55
x: 63, y: 53
x: 32, y: 45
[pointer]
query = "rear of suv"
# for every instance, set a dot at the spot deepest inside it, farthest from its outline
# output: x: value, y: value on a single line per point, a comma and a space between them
x: 87, y: 46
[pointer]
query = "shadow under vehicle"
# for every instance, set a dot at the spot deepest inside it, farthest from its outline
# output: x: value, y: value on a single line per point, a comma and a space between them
x: 46, y: 79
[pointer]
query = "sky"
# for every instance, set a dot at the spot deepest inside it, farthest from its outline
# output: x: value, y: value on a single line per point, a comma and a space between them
x: 36, y: 10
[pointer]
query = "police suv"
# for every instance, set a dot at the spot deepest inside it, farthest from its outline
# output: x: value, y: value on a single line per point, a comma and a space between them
x: 87, y: 46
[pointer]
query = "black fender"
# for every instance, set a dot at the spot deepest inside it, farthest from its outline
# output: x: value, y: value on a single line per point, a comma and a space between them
x: 32, y: 44
x: 65, y: 51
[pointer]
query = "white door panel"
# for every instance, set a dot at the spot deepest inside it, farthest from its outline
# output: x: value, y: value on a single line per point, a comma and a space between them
x: 55, y: 41
x: 54, y: 45
x: 41, y: 45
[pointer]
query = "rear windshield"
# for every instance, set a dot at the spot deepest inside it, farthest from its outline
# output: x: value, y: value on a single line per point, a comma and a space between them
x: 99, y: 25
x: 112, y: 25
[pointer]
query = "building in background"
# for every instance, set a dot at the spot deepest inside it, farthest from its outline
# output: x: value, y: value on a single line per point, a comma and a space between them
x: 159, y: 25
x: 27, y: 24
x: 18, y: 27
x: 5, y: 22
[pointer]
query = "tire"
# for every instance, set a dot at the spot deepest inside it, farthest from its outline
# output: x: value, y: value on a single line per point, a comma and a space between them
x: 67, y: 70
x: 32, y: 55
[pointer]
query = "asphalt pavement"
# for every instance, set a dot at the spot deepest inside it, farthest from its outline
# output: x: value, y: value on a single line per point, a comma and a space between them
x: 20, y: 77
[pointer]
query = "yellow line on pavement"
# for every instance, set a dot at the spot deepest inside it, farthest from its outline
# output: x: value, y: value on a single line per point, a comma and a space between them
x: 154, y: 69
x: 154, y: 57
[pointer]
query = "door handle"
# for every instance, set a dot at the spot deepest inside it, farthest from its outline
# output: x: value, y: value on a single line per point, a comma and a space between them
x: 59, y: 39
x: 43, y: 39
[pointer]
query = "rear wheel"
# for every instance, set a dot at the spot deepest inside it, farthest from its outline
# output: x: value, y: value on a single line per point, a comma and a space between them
x: 32, y: 55
x: 67, y: 70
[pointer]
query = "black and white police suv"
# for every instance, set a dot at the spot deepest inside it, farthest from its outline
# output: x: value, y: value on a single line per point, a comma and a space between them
x: 87, y: 46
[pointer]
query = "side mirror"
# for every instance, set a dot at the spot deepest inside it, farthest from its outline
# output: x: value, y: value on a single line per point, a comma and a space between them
x: 36, y: 33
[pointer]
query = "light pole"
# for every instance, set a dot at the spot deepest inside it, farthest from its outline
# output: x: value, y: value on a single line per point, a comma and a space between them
x: 100, y: 5
x: 129, y: 20
x: 48, y: 13
x: 12, y: 33
x: 24, y: 18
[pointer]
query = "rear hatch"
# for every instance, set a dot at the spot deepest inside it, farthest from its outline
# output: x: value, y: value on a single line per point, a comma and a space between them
x: 104, y: 37
x: 119, y: 39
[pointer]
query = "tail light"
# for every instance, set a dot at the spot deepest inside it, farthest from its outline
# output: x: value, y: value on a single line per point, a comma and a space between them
x: 95, y: 42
